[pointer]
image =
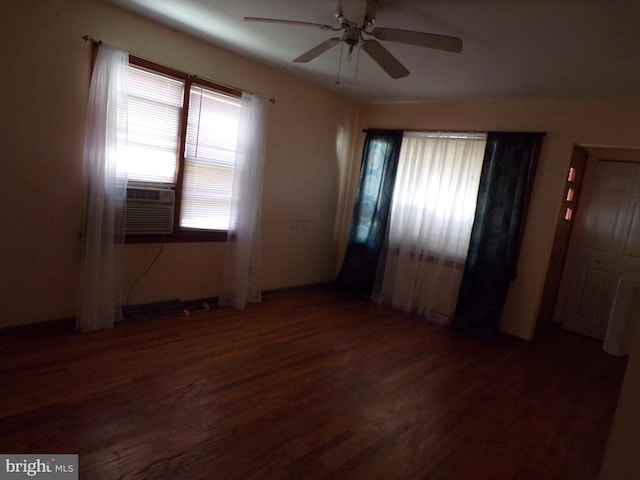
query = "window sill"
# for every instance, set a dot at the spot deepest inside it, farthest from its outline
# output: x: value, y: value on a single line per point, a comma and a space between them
x: 179, y: 237
x: 431, y: 257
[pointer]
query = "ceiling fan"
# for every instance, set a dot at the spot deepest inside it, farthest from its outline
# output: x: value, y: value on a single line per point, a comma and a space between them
x: 355, y: 20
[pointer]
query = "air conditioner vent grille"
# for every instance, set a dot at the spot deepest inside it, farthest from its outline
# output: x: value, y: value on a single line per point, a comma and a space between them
x: 149, y: 211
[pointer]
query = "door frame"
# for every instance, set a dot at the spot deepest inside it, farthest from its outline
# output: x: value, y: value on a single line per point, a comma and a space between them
x: 596, y: 153
x: 562, y: 237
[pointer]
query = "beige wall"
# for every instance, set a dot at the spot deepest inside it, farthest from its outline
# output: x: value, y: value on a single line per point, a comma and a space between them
x: 567, y: 123
x: 43, y: 91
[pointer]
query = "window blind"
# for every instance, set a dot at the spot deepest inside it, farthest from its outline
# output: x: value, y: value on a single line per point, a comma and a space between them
x: 155, y: 103
x: 212, y: 130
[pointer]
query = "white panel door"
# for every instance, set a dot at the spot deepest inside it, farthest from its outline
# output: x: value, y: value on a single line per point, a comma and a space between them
x: 609, y: 247
x: 628, y: 258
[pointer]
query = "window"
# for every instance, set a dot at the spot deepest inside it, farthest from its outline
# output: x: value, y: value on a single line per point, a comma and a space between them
x: 212, y: 128
x: 571, y: 195
x: 154, y: 108
x: 435, y: 193
x: 182, y: 135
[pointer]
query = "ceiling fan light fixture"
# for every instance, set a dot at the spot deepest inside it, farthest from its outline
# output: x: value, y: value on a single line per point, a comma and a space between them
x: 351, y: 12
x: 349, y: 55
x: 371, y: 13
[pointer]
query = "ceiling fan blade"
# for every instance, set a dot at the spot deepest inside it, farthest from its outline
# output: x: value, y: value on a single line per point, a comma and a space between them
x: 429, y: 40
x: 289, y: 22
x: 383, y: 57
x: 317, y: 50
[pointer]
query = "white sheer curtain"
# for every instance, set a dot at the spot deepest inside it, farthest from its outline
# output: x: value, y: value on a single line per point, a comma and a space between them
x: 241, y: 276
x: 104, y: 186
x: 432, y: 213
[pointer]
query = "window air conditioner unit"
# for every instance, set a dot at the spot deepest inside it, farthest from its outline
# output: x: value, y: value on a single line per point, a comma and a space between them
x: 149, y: 210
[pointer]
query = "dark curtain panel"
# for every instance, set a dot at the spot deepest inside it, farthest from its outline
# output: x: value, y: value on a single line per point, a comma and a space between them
x: 371, y: 211
x: 505, y: 185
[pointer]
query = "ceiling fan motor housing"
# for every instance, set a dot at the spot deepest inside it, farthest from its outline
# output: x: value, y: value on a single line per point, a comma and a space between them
x: 351, y: 36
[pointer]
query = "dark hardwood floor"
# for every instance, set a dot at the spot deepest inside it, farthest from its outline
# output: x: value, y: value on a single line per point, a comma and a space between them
x: 309, y: 384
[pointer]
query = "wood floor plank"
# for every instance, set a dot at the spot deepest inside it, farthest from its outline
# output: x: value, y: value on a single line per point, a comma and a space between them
x: 308, y: 385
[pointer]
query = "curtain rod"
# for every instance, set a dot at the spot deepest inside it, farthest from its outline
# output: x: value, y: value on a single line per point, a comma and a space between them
x: 365, y: 130
x: 88, y: 38
x: 417, y: 130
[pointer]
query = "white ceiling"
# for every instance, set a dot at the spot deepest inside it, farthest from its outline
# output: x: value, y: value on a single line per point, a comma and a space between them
x: 512, y: 48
